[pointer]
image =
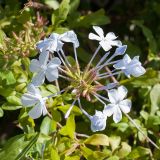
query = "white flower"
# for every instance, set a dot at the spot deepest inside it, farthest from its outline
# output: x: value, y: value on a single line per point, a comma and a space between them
x: 55, y: 41
x: 118, y: 103
x: 98, y: 121
x: 31, y: 98
x: 130, y: 66
x: 105, y: 41
x: 44, y: 69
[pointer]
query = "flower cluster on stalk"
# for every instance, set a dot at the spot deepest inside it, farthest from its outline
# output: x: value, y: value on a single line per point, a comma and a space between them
x: 86, y: 83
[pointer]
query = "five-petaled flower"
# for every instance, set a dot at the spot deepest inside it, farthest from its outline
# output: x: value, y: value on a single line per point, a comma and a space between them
x: 130, y: 66
x: 107, y: 41
x: 55, y: 41
x: 33, y: 97
x: 44, y: 69
x: 118, y: 103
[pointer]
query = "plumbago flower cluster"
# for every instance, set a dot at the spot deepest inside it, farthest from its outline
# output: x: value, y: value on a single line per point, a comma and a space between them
x: 86, y: 83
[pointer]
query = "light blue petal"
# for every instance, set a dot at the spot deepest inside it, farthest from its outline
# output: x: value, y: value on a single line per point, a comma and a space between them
x: 120, y: 50
x: 32, y: 89
x: 43, y: 58
x: 34, y: 66
x: 117, y: 115
x: 39, y: 78
x: 28, y: 100
x: 51, y: 74
x: 125, y: 105
x: 54, y: 63
x: 109, y: 109
x: 36, y: 111
x: 70, y: 36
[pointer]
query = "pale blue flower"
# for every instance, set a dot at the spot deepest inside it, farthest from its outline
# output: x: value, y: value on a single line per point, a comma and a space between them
x: 118, y: 103
x: 130, y: 66
x: 98, y: 121
x: 55, y: 41
x: 33, y: 97
x: 107, y: 41
x: 44, y: 69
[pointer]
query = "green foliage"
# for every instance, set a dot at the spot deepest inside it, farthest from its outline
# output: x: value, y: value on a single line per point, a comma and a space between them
x: 53, y: 137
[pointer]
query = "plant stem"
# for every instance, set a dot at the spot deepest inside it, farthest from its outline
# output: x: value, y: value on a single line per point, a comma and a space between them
x: 139, y: 129
x: 76, y: 59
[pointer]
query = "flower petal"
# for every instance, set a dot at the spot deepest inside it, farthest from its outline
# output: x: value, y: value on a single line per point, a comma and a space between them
x: 94, y: 37
x: 28, y: 100
x: 106, y: 46
x: 109, y: 109
x: 125, y: 105
x: 34, y: 66
x: 117, y: 115
x: 113, y: 96
x: 32, y: 89
x: 123, y: 64
x: 119, y: 65
x: 41, y: 45
x: 110, y: 36
x: 43, y: 57
x: 99, y: 31
x: 36, y: 111
x: 121, y: 50
x: 51, y: 74
x: 138, y: 71
x: 70, y: 36
x: 39, y: 78
x: 122, y: 92
x: 116, y: 43
x: 54, y: 63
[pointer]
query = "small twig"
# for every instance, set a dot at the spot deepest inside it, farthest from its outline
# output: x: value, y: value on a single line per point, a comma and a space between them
x: 112, y: 77
x: 139, y: 129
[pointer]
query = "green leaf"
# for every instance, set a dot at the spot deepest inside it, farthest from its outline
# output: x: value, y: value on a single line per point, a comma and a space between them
x: 72, y: 158
x: 27, y: 148
x: 113, y: 158
x: 75, y: 109
x: 47, y: 126
x: 2, y: 36
x: 155, y: 98
x: 61, y: 13
x: 139, y: 152
x: 1, y: 112
x: 14, y: 100
x: 54, y: 154
x: 97, y: 139
x: 148, y: 34
x: 95, y: 18
x: 13, y: 147
x: 114, y: 142
x: 87, y: 153
x: 6, y: 91
x: 8, y: 106
x: 69, y: 128
x: 56, y: 115
x: 52, y: 88
x: 52, y: 3
x: 73, y: 6
x: 121, y: 126
x: 8, y: 76
x: 124, y: 150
